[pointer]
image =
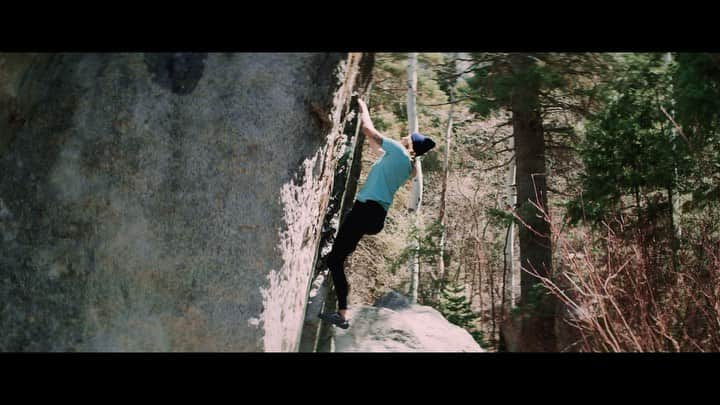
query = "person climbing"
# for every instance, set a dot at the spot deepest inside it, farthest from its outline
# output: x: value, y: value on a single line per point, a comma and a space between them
x: 392, y: 169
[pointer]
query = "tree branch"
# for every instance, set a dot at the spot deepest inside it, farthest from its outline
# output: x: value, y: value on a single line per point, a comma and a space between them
x: 558, y: 192
x: 678, y: 127
x: 454, y: 75
x: 503, y: 124
x: 500, y: 165
x: 451, y: 102
x: 501, y: 140
x: 559, y: 146
x: 390, y: 89
x: 558, y: 129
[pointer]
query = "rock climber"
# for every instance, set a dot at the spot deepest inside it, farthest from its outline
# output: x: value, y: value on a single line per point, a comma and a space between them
x: 392, y: 169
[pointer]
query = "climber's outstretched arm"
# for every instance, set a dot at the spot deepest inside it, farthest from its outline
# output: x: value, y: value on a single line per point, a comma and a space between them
x: 373, y: 135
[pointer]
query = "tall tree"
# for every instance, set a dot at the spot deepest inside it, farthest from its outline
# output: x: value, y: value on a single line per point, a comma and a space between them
x: 416, y: 195
x: 456, y: 308
x: 631, y: 150
x: 509, y: 261
x: 535, y: 250
x: 533, y: 87
x: 446, y: 173
x: 696, y: 93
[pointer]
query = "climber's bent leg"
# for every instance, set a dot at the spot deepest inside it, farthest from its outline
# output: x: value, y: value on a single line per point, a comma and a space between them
x: 350, y: 233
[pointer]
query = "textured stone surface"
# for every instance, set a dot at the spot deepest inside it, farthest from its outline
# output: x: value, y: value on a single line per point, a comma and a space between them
x: 417, y: 328
x: 163, y: 202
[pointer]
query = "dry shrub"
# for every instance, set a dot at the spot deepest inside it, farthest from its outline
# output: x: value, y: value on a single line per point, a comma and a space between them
x: 621, y: 292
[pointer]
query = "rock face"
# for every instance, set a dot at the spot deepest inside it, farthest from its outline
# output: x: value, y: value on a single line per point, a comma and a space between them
x: 164, y: 202
x: 414, y: 328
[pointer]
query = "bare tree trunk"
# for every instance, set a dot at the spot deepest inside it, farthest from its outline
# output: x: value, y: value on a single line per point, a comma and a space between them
x: 478, y: 270
x: 463, y: 265
x: 492, y: 300
x: 446, y: 172
x: 509, y: 289
x: 675, y: 232
x: 674, y: 200
x: 637, y: 203
x: 467, y: 274
x: 538, y: 327
x: 417, y: 189
x: 507, y: 302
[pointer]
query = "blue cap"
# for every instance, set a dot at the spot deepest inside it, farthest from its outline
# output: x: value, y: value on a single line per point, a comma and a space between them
x: 421, y: 143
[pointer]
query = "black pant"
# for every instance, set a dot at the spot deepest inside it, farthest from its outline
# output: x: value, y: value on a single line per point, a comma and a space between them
x: 365, y: 218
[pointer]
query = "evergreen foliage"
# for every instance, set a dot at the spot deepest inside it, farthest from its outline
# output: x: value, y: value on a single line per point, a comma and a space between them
x: 455, y: 307
x: 634, y: 149
x: 631, y: 148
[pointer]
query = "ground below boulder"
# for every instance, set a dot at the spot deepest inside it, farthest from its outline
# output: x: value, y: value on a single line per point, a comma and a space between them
x: 407, y: 328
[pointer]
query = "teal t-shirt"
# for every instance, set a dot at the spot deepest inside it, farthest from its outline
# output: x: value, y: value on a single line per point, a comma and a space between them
x: 387, y: 174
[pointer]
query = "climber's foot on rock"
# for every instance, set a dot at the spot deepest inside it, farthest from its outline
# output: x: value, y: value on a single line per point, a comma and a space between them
x: 336, y: 319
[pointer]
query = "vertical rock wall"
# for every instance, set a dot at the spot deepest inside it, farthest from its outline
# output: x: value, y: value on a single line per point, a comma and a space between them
x: 164, y: 202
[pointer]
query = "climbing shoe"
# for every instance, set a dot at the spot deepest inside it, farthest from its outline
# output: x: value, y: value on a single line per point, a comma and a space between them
x: 335, y: 319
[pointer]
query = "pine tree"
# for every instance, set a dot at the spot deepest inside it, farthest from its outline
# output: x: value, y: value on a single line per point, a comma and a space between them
x: 455, y: 307
x: 630, y: 148
x: 532, y: 87
x: 696, y: 92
